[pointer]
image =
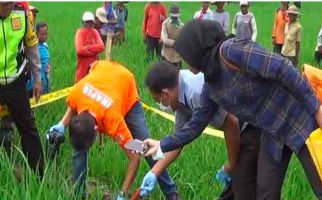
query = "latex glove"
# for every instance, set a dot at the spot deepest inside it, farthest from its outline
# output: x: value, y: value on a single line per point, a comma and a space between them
x: 120, y: 197
x: 223, y: 177
x: 149, y: 181
x: 60, y: 128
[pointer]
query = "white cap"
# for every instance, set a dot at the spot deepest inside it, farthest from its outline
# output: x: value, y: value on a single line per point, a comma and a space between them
x: 101, y: 14
x: 242, y: 2
x: 88, y: 16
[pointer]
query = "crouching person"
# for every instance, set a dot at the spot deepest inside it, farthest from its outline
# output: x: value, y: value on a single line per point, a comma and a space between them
x: 102, y: 103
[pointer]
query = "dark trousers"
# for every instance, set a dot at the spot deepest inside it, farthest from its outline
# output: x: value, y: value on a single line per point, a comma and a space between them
x: 318, y: 57
x: 278, y: 48
x: 271, y: 174
x: 245, y: 171
x: 153, y: 44
x: 15, y: 96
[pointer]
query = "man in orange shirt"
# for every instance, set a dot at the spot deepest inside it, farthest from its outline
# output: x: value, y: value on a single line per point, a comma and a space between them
x: 102, y: 102
x: 88, y: 45
x: 281, y: 18
x: 154, y: 15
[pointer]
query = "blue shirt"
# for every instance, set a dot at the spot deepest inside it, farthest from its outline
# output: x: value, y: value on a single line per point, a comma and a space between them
x: 45, y: 67
x: 268, y: 92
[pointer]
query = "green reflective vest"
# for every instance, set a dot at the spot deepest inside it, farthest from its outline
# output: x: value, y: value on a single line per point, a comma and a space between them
x: 12, y: 58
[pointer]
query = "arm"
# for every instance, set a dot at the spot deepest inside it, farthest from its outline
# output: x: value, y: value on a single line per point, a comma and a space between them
x: 81, y: 48
x: 163, y: 164
x: 297, y: 45
x: 132, y: 168
x: 271, y: 67
x: 68, y: 116
x: 98, y: 47
x: 274, y: 28
x: 145, y: 21
x: 226, y: 24
x: 233, y: 30
x: 254, y: 28
x: 164, y: 36
x: 232, y: 138
x: 194, y: 127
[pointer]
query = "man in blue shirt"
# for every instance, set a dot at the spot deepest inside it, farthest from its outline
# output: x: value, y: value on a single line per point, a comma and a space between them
x: 259, y: 87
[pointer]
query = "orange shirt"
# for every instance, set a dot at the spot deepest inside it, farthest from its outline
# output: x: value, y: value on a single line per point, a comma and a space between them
x: 108, y: 92
x: 281, y: 18
x: 154, y: 15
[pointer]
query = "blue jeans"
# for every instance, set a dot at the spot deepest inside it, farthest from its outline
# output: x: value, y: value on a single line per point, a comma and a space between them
x: 135, y: 121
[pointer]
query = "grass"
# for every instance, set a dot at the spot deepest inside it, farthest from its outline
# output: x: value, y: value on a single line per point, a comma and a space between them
x: 194, y: 170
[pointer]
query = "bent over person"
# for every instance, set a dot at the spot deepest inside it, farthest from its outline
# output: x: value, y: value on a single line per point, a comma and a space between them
x: 101, y: 100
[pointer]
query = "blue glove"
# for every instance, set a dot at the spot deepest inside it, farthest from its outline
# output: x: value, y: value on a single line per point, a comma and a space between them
x: 60, y: 128
x: 120, y: 197
x: 149, y: 181
x: 223, y: 177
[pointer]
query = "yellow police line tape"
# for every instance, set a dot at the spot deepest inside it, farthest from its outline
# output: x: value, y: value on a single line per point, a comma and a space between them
x: 54, y: 96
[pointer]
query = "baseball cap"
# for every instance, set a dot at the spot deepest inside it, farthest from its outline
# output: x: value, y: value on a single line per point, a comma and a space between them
x: 174, y: 10
x: 292, y: 9
x: 88, y: 16
x: 101, y: 14
x: 243, y: 3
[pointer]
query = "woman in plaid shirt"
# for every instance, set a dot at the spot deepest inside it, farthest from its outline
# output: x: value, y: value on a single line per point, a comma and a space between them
x: 259, y: 87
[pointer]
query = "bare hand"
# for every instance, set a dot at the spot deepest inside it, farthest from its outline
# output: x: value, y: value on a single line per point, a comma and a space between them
x: 37, y: 90
x: 228, y: 168
x: 153, y: 147
x: 318, y: 116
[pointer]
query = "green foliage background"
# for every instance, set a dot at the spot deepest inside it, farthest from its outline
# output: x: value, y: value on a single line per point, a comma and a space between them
x: 194, y: 170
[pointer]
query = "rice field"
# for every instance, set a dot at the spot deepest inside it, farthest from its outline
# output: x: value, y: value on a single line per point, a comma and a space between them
x: 194, y: 170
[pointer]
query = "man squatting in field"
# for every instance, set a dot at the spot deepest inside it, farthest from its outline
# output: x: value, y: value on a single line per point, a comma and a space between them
x: 100, y: 102
x: 259, y: 87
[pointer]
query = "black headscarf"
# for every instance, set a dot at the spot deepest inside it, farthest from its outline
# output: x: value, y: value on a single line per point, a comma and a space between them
x: 198, y: 44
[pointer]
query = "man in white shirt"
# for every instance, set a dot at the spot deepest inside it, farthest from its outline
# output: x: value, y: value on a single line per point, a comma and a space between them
x: 221, y: 16
x: 205, y: 13
x: 244, y: 24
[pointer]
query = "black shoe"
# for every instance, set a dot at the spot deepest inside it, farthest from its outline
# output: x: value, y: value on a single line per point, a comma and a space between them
x: 172, y: 196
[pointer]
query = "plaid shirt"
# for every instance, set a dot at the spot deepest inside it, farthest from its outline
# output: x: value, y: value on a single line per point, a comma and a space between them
x: 267, y: 92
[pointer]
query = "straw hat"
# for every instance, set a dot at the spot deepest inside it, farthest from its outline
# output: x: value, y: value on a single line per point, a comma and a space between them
x: 292, y: 9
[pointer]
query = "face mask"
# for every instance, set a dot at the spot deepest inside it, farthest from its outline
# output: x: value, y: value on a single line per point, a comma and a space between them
x: 164, y: 108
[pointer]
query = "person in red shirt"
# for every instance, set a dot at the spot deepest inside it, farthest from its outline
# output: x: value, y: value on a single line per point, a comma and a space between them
x: 281, y: 18
x: 101, y: 102
x: 155, y: 13
x: 88, y: 45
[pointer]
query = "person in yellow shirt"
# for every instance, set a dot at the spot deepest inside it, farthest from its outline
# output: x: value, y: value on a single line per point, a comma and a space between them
x: 18, y: 43
x: 293, y: 34
x: 101, y: 102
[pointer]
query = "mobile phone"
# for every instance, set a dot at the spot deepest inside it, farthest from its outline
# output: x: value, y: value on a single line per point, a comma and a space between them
x: 136, y: 145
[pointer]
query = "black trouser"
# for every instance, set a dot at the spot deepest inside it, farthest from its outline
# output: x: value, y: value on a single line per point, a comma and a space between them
x: 153, y: 44
x: 245, y: 171
x: 271, y: 174
x: 16, y: 98
x: 278, y: 48
x: 318, y: 57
